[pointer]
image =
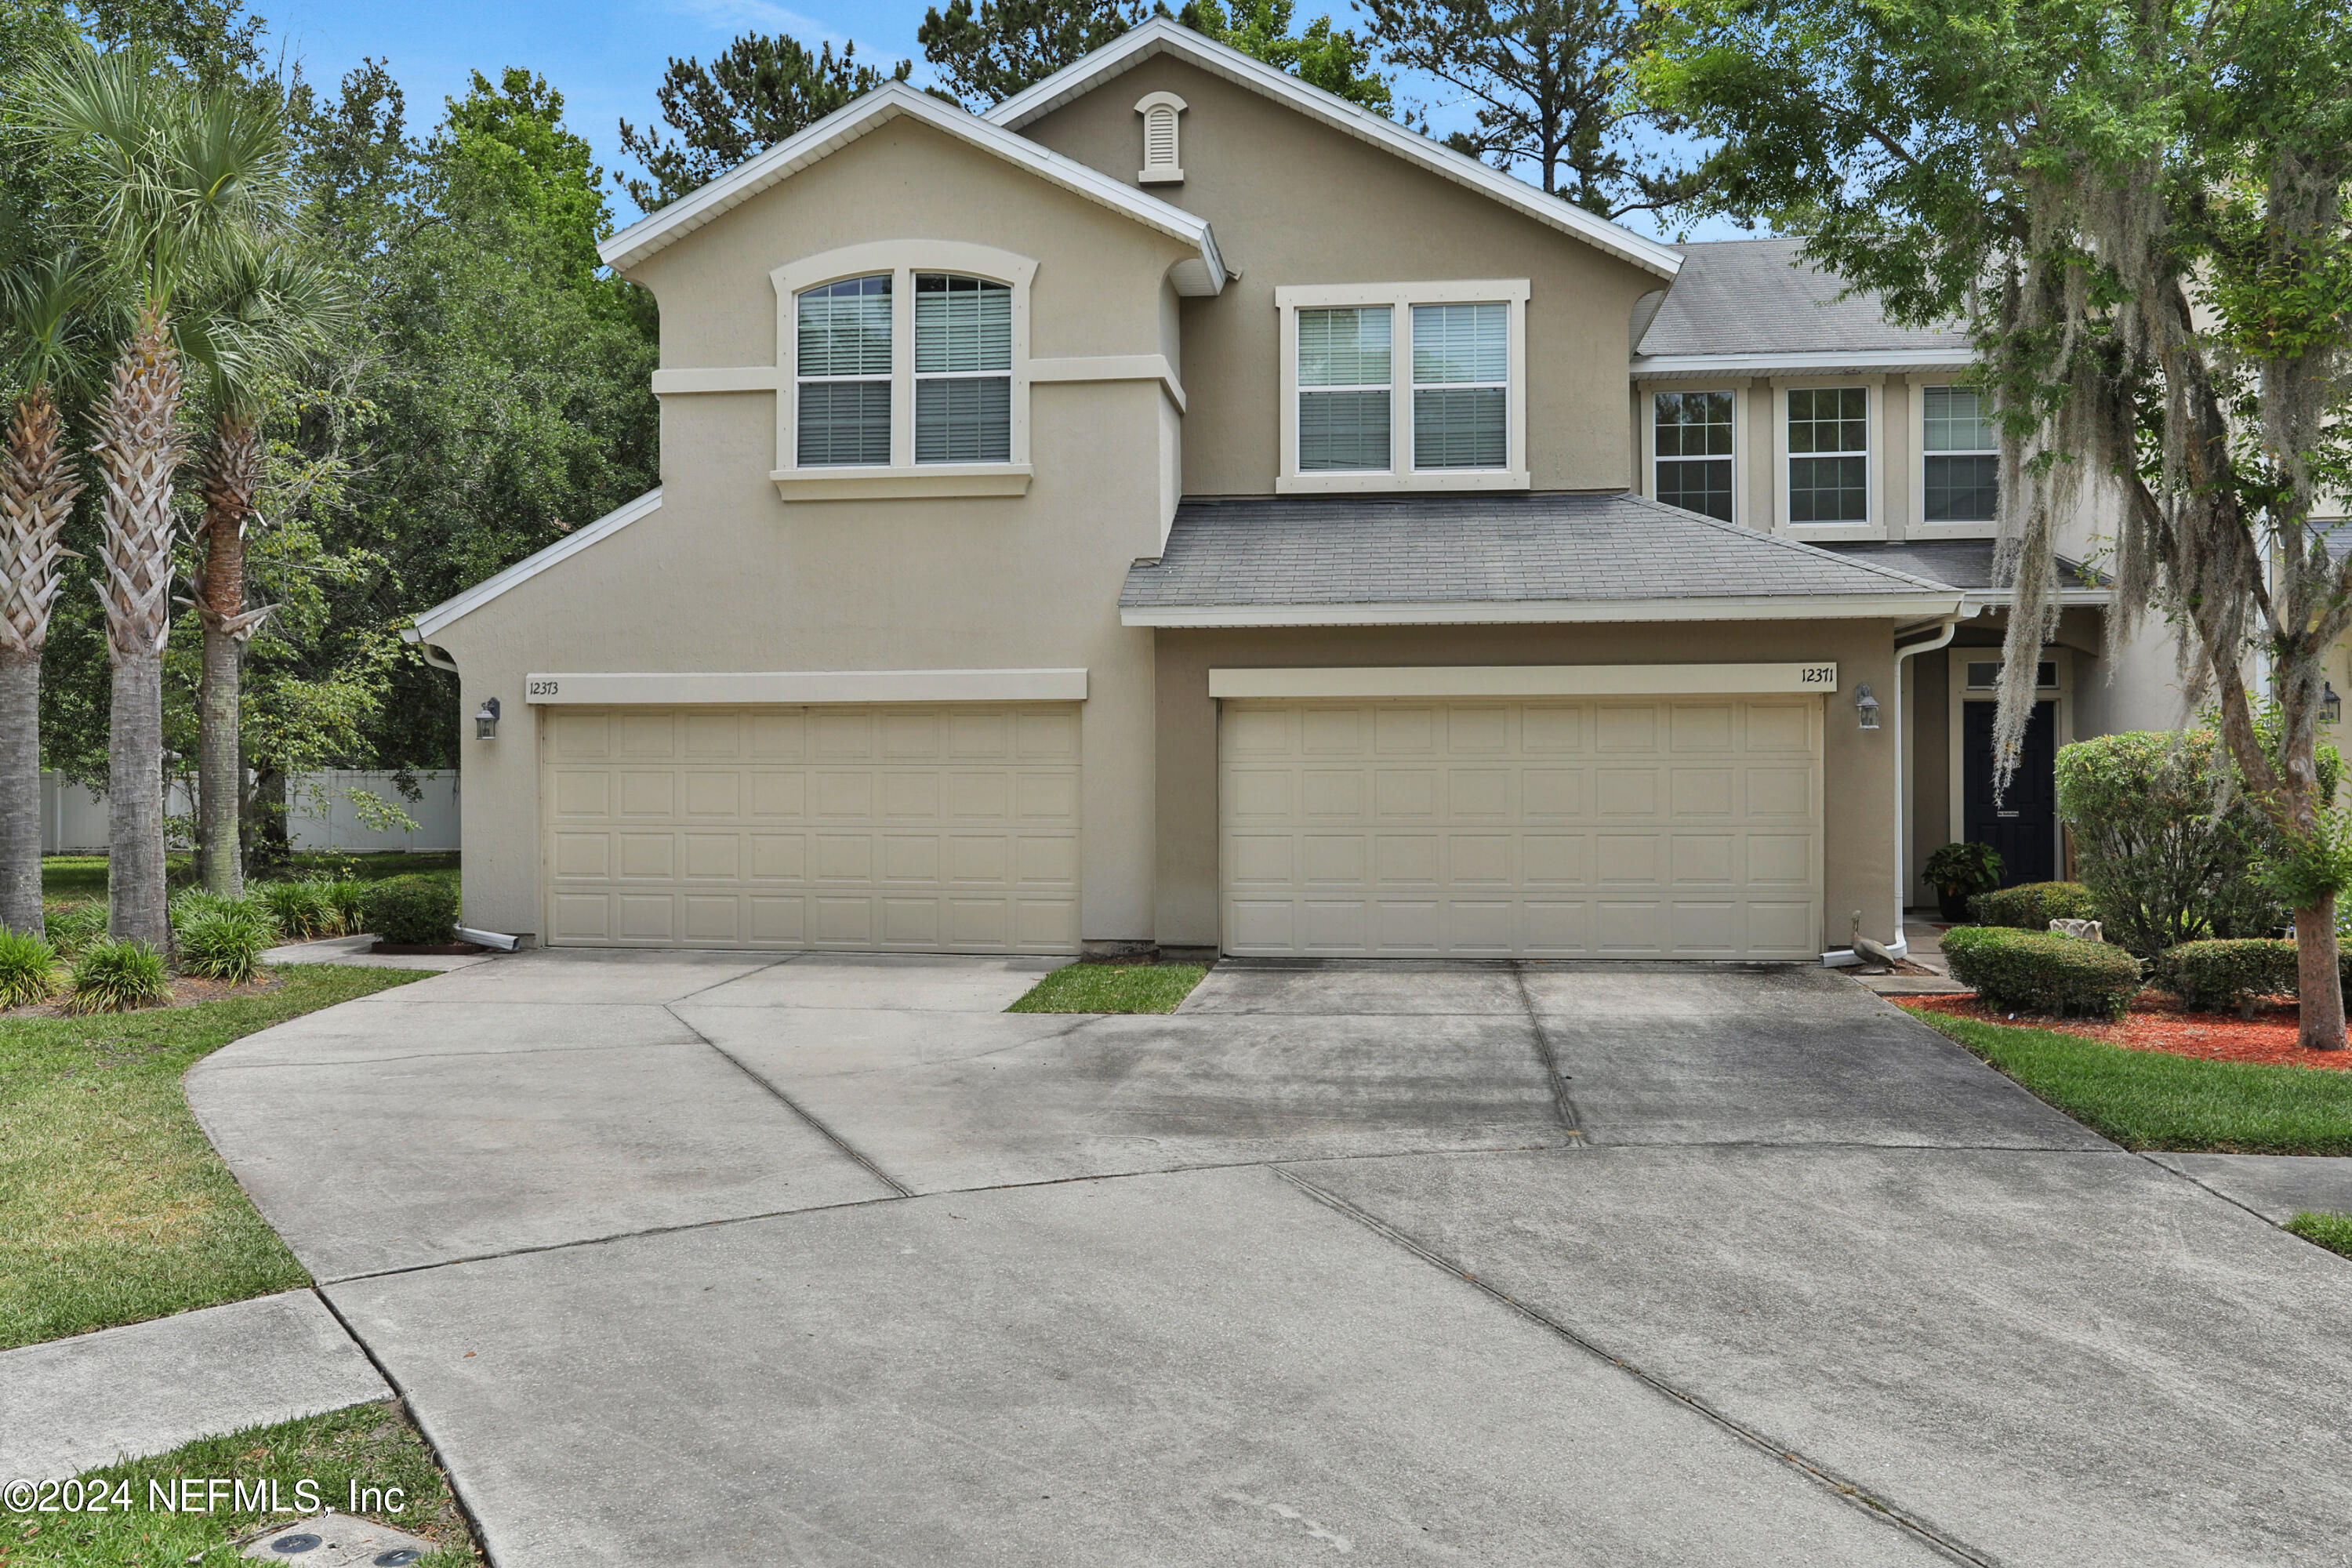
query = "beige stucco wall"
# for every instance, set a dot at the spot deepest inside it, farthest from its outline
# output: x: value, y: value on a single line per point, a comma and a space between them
x: 1858, y: 764
x: 725, y: 576
x: 1294, y: 202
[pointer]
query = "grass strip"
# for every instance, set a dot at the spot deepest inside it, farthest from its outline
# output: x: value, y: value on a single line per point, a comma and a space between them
x: 367, y: 1445
x: 1112, y: 988
x: 2332, y: 1231
x: 114, y: 1207
x: 2156, y: 1100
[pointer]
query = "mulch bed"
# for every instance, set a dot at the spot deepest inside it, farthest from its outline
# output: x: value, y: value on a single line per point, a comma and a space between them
x: 2157, y: 1022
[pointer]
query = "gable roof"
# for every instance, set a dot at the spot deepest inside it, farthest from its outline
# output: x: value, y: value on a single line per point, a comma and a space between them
x: 1163, y: 36
x: 1741, y: 299
x: 879, y: 108
x: 1495, y: 558
x: 432, y: 621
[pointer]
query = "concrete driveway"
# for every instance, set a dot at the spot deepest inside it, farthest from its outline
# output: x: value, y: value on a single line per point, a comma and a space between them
x: 713, y: 1258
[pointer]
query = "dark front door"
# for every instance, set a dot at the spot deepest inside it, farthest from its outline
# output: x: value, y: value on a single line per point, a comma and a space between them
x: 2024, y: 825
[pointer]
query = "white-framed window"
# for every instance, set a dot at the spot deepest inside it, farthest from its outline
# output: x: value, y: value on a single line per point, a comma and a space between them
x: 1403, y: 386
x: 1692, y: 438
x: 1828, y: 456
x: 906, y: 372
x: 1162, y: 163
x: 1960, y: 457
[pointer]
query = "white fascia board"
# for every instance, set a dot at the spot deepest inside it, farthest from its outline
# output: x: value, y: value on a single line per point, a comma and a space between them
x: 1164, y: 35
x: 1982, y: 599
x: 878, y: 108
x: 1525, y: 681
x: 1858, y: 361
x: 1545, y: 612
x: 793, y: 688
x: 430, y: 621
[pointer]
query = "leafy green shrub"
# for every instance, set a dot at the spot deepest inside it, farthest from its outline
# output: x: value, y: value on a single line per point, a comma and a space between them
x: 2042, y: 971
x: 74, y: 928
x: 2227, y: 972
x: 412, y: 912
x: 115, y: 976
x: 2162, y: 864
x: 2031, y: 906
x: 226, y: 943
x: 29, y: 968
x: 348, y: 896
x: 303, y: 910
x: 1967, y: 867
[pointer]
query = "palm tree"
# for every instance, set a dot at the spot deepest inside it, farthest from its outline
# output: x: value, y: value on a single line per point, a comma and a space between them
x: 43, y: 306
x: 162, y: 176
x: 264, y: 311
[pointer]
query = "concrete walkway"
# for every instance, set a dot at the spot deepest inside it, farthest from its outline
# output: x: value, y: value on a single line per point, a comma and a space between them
x: 831, y: 1260
x: 71, y: 1405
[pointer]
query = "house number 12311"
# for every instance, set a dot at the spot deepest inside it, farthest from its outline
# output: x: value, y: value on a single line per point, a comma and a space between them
x: 1810, y: 675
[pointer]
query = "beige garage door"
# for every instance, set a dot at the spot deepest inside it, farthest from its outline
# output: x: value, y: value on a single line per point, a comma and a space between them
x: 922, y: 829
x: 1671, y: 828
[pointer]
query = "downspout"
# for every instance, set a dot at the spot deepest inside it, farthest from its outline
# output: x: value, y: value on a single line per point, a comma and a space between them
x: 1845, y: 957
x: 427, y: 651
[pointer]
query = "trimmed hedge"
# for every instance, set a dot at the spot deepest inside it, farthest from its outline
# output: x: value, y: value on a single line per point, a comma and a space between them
x: 412, y: 912
x: 2031, y: 906
x: 2227, y: 972
x: 2042, y: 971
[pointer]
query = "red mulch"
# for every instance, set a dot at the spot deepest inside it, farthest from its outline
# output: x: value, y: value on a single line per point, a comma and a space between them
x: 2159, y: 1023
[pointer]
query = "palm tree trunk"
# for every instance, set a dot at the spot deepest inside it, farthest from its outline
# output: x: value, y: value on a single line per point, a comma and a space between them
x: 36, y: 490
x: 232, y: 473
x: 20, y: 791
x: 139, y: 443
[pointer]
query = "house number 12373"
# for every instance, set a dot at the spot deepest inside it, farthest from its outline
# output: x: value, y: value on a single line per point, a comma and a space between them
x: 543, y: 687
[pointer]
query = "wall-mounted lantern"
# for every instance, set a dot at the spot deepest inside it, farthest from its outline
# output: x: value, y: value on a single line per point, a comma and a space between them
x: 1865, y: 706
x: 486, y: 720
x: 2331, y: 707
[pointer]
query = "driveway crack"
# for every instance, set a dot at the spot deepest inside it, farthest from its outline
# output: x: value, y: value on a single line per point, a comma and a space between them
x: 796, y: 1107
x: 1562, y: 1098
x: 1849, y: 1492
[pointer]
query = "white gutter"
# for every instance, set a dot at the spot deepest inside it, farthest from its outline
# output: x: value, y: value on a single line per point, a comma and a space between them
x: 1524, y: 612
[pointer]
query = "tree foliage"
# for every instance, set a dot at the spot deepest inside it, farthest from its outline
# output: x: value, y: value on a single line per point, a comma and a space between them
x: 1320, y: 55
x: 766, y: 86
x: 1551, y: 84
x: 984, y: 55
x: 2140, y: 211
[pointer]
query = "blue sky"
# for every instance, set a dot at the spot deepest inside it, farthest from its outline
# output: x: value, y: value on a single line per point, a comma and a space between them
x: 606, y: 57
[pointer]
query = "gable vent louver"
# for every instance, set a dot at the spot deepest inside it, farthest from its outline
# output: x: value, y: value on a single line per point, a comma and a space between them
x: 1161, y: 163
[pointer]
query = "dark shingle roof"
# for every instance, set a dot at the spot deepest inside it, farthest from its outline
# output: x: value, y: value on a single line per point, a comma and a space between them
x: 1475, y: 548
x: 1957, y: 563
x: 1752, y: 295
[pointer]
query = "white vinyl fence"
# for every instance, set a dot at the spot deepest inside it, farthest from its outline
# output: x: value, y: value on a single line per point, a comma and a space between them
x: 321, y: 813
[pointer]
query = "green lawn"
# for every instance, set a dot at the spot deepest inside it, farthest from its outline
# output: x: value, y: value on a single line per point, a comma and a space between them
x: 368, y: 1444
x: 2151, y: 1100
x: 113, y: 1208
x: 74, y: 878
x: 1112, y: 988
x: 2332, y: 1231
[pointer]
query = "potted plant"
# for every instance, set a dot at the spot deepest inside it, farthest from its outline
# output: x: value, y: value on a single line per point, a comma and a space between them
x: 1959, y: 871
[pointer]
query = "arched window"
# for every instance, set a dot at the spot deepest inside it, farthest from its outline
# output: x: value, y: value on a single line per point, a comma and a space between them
x: 1161, y: 163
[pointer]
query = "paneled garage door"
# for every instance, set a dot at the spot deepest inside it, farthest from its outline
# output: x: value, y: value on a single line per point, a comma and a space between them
x: 950, y: 829
x: 1668, y: 828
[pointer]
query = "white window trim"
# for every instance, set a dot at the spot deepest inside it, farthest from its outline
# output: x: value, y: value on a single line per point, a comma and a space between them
x: 1875, y: 526
x: 1649, y: 391
x: 1917, y: 524
x: 902, y: 477
x: 1153, y: 173
x: 1401, y: 298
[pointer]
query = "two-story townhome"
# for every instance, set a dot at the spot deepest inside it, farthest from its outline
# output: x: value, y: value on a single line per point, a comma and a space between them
x: 1181, y: 510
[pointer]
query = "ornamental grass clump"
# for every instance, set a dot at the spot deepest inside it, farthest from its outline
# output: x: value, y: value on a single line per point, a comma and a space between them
x: 116, y: 977
x: 412, y: 912
x: 2042, y: 971
x: 347, y: 896
x: 29, y: 968
x: 303, y: 910
x: 74, y: 928
x: 224, y: 943
x: 2209, y: 976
